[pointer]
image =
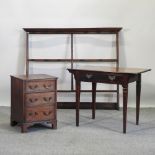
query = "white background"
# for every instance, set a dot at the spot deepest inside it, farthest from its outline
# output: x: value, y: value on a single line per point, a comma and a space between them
x: 137, y: 39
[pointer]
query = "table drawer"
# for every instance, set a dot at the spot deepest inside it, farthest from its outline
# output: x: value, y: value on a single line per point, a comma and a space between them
x: 38, y: 86
x: 35, y: 99
x: 40, y: 113
x: 98, y: 77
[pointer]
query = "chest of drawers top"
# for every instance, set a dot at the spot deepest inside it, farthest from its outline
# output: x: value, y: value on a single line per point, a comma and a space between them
x: 37, y: 82
x: 34, y: 77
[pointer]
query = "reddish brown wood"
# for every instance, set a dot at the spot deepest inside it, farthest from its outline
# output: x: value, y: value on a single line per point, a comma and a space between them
x: 40, y: 113
x: 110, y: 75
x: 38, y: 99
x: 33, y: 100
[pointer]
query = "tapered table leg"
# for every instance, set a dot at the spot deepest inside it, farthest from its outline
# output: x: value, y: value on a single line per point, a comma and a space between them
x: 77, y: 101
x: 117, y: 105
x: 138, y: 92
x: 125, y: 100
x: 93, y: 99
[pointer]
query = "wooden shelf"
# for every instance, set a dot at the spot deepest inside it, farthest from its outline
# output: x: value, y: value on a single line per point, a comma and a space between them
x: 102, y: 30
x: 87, y: 91
x: 72, y: 60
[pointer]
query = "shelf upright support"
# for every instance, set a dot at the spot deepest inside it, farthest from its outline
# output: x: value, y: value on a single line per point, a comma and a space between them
x: 72, y: 86
x: 117, y: 48
x: 27, y: 53
x: 117, y: 65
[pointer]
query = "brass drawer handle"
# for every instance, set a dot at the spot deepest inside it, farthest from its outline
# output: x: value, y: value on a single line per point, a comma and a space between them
x: 33, y: 113
x: 36, y: 113
x: 88, y: 76
x: 47, y: 86
x: 33, y: 100
x: 30, y: 114
x: 112, y: 77
x: 33, y: 87
x: 47, y: 99
x: 47, y: 113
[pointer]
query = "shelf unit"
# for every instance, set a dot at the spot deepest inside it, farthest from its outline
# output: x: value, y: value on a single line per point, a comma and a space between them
x: 72, y: 60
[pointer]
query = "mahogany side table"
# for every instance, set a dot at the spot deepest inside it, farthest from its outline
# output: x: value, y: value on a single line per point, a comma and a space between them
x: 110, y: 75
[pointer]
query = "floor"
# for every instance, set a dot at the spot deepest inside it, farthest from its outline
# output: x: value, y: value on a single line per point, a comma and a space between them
x: 102, y: 136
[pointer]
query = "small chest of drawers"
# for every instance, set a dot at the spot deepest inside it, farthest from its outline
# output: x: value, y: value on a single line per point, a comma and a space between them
x: 33, y: 100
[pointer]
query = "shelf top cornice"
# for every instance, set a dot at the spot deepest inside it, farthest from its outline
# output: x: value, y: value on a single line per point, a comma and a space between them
x: 100, y: 30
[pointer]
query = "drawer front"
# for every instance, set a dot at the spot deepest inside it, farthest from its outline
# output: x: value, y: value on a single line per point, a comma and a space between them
x: 99, y: 77
x: 35, y: 99
x: 39, y: 86
x: 41, y: 113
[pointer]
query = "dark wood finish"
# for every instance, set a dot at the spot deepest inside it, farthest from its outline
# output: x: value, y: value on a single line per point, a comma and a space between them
x: 125, y: 101
x: 87, y: 91
x: 27, y: 53
x: 93, y: 99
x: 87, y: 105
x: 117, y: 65
x: 110, y: 75
x: 73, y: 60
x: 71, y: 31
x: 33, y: 100
x: 103, y: 30
x: 78, y: 85
x: 138, y: 92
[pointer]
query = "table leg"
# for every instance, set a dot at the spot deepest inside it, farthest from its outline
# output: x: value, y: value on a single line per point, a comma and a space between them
x: 125, y: 100
x: 138, y: 92
x: 117, y: 105
x: 77, y: 101
x: 93, y: 99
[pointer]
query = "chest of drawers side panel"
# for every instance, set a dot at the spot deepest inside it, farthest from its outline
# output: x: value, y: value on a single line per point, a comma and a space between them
x: 17, y: 99
x: 55, y: 107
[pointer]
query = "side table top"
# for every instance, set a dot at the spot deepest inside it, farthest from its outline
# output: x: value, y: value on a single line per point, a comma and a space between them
x: 111, y: 69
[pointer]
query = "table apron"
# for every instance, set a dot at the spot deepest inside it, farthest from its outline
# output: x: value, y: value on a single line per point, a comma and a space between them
x: 106, y: 78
